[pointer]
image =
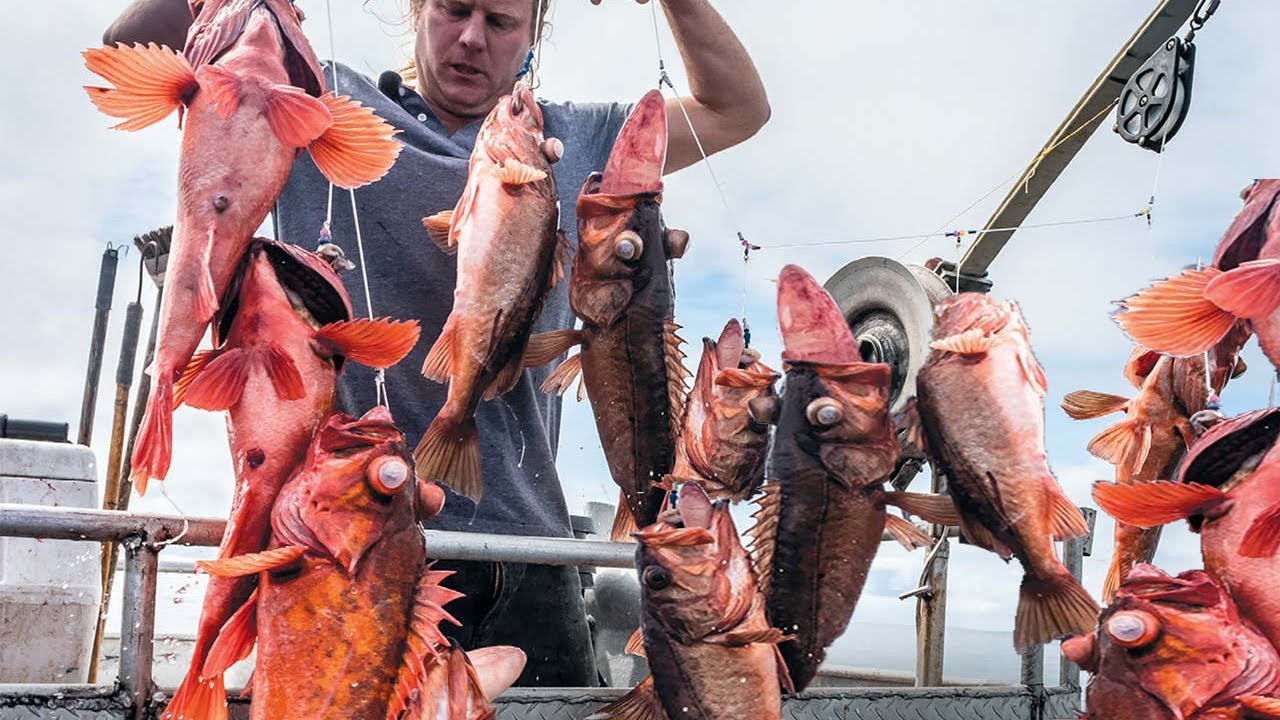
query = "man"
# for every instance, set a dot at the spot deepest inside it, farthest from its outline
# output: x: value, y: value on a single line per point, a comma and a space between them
x: 468, y: 54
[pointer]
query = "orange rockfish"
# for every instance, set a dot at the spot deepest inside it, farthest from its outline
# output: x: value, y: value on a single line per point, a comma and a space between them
x: 721, y: 445
x: 823, y: 513
x: 981, y: 402
x: 1176, y: 649
x: 285, y: 332
x: 621, y: 289
x: 504, y: 230
x: 347, y: 611
x: 1156, y: 432
x: 712, y: 653
x: 1188, y: 313
x: 252, y: 94
x: 1229, y: 488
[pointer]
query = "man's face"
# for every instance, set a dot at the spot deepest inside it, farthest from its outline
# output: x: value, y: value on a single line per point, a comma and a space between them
x: 469, y: 51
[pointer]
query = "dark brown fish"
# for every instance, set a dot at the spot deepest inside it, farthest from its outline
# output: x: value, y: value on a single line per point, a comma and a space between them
x: 981, y: 401
x: 823, y: 514
x: 712, y: 653
x: 621, y: 288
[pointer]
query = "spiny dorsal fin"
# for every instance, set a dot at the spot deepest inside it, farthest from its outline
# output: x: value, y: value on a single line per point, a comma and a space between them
x: 425, y: 643
x: 676, y: 374
x: 764, y: 534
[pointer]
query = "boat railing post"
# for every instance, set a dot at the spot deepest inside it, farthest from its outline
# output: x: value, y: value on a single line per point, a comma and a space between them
x: 1074, y: 552
x: 931, y: 603
x: 137, y: 630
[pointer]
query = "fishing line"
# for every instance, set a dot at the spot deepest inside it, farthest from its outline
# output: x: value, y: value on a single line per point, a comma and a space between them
x: 1035, y: 164
x: 747, y: 247
x: 186, y: 524
x: 954, y: 233
x: 379, y: 374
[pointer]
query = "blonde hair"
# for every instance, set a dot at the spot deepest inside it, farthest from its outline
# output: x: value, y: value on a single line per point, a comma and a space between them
x: 409, y: 71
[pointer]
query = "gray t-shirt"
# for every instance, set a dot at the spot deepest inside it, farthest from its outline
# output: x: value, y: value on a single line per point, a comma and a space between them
x: 410, y: 278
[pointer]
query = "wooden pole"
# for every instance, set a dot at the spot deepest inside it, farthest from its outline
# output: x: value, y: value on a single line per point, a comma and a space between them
x: 931, y: 604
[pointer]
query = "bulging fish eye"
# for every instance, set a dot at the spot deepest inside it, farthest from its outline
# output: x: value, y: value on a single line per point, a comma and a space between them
x: 763, y: 410
x: 388, y: 474
x: 824, y: 412
x: 656, y: 577
x: 628, y: 245
x: 1133, y: 628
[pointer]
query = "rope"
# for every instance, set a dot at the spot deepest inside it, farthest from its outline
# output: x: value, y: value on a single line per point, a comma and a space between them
x: 956, y: 233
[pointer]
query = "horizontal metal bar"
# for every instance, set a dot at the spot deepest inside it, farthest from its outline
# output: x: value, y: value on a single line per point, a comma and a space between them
x: 62, y: 523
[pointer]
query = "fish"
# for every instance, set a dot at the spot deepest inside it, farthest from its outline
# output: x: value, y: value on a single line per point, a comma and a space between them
x: 630, y: 361
x: 505, y: 233
x: 250, y: 96
x: 823, y: 514
x: 1147, y: 658
x: 1156, y: 432
x: 1229, y: 488
x: 981, y: 403
x: 347, y: 612
x: 711, y: 651
x: 1187, y: 314
x: 720, y: 445
x: 282, y: 337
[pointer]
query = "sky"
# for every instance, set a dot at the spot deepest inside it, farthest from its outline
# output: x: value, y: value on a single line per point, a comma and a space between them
x: 887, y: 120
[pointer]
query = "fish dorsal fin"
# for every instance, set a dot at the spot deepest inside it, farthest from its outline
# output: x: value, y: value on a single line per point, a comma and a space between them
x: 624, y: 523
x: 252, y: 563
x: 764, y: 534
x: 426, y: 644
x: 639, y: 704
x: 1087, y: 404
x: 357, y: 148
x: 1065, y: 520
x: 1196, y: 324
x: 439, y: 363
x: 676, y: 374
x: 150, y: 83
x: 377, y: 343
x: 635, y: 643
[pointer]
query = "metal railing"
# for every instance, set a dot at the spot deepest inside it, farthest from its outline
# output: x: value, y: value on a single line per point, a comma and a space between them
x: 144, y: 536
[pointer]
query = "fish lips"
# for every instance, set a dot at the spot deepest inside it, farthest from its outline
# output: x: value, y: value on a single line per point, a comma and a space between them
x: 341, y: 432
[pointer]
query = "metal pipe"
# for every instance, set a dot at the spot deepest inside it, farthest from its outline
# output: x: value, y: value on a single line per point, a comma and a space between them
x: 63, y: 523
x: 102, y: 309
x: 931, y: 606
x: 111, y: 490
x: 137, y: 630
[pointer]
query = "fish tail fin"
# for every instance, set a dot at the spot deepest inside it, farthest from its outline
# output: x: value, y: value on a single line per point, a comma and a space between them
x: 639, y: 704
x: 1087, y: 404
x: 908, y: 536
x: 377, y: 343
x: 1174, y: 316
x: 198, y: 697
x: 937, y: 509
x: 449, y: 453
x: 1050, y: 608
x: 544, y: 347
x: 154, y: 448
x: 150, y: 83
x: 1156, y: 503
x: 1251, y: 290
x: 624, y: 522
x: 234, y: 642
x: 1262, y: 539
x: 357, y: 148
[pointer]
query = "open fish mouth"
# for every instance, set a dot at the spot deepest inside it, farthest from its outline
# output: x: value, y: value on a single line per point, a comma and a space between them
x: 639, y: 153
x: 1229, y: 447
